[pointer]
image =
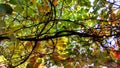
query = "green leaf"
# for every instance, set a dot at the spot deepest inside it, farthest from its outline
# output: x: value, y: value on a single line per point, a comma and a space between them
x: 2, y: 26
x: 16, y: 2
x: 95, y: 2
x: 39, y: 60
x: 18, y: 8
x: 68, y: 1
x: 29, y: 66
x: 5, y: 9
x: 13, y: 2
x: 1, y: 1
x: 85, y: 3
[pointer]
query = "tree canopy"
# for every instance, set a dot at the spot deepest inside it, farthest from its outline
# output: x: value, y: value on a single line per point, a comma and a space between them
x: 60, y: 33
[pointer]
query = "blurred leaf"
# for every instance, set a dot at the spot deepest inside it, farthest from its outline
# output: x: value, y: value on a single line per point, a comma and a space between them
x: 34, y: 2
x: 116, y: 54
x: 39, y: 21
x: 2, y: 24
x: 12, y: 37
x: 41, y: 66
x: 18, y: 8
x: 77, y: 65
x: 69, y: 65
x: 15, y: 2
x: 84, y: 3
x: 95, y: 2
x: 68, y: 1
x: 29, y: 66
x: 55, y: 2
x: 5, y: 9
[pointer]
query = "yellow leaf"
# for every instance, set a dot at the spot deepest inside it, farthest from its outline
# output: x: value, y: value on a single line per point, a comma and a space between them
x: 69, y: 65
x: 77, y: 65
x: 118, y: 12
x: 50, y: 43
x: 28, y: 45
x: 112, y: 55
x: 45, y: 2
x: 42, y: 66
x: 61, y: 46
x: 62, y: 43
x: 11, y: 47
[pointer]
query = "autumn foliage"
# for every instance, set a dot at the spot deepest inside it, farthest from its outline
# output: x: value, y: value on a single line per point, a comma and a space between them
x: 59, y: 33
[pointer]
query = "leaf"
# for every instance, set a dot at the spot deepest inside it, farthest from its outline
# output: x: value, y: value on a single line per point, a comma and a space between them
x: 117, y: 54
x: 19, y: 9
x: 95, y: 2
x: 34, y: 2
x: 39, y: 60
x: 15, y: 2
x: 77, y: 65
x: 29, y: 66
x: 45, y: 2
x: 1, y: 15
x: 84, y: 3
x: 70, y: 59
x: 41, y: 66
x: 12, y: 37
x: 62, y: 56
x: 55, y: 2
x: 5, y: 9
x: 40, y: 9
x: 2, y: 24
x: 69, y: 65
x: 113, y: 15
x: 37, y: 46
x: 118, y: 12
x: 36, y: 65
x: 68, y: 1
x: 29, y: 44
x: 41, y: 55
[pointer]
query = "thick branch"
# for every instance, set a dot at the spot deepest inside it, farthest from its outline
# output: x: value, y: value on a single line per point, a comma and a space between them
x: 61, y: 34
x: 66, y: 33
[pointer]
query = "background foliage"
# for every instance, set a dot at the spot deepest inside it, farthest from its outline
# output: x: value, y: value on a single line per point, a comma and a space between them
x: 59, y: 33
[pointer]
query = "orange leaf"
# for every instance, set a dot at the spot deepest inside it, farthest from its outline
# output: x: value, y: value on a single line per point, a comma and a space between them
x: 39, y: 8
x: 116, y: 54
x: 55, y: 2
x: 113, y: 15
x: 36, y: 65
